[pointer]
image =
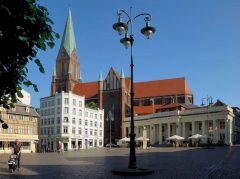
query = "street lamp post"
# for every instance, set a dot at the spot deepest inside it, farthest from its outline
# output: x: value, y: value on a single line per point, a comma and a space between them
x: 209, y: 102
x: 127, y: 41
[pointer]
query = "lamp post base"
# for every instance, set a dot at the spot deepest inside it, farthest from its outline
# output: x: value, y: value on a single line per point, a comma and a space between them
x: 133, y: 172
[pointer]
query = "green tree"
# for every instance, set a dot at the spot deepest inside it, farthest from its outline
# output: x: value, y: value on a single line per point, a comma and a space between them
x: 25, y: 28
x: 92, y: 105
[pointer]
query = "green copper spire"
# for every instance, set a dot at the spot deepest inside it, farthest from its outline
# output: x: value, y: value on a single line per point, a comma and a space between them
x: 122, y: 73
x: 68, y: 40
x: 100, y: 78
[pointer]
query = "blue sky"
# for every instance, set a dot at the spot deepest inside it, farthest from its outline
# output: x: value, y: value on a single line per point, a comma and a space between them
x: 198, y: 40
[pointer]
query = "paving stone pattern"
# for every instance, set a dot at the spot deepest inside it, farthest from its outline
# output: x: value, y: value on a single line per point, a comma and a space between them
x: 170, y: 163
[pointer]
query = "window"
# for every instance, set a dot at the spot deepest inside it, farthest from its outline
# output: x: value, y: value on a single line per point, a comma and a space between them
x: 30, y: 118
x: 58, y: 110
x: 167, y: 100
x: 86, y: 122
x: 30, y: 130
x: 27, y: 109
x: 58, y: 130
x: 190, y: 127
x: 65, y: 129
x: 86, y: 114
x: 171, y: 128
x: 66, y: 101
x: 200, y: 126
x: 100, y: 133
x: 21, y: 117
x: 49, y: 122
x: 158, y: 101
x: 79, y: 131
x: 100, y: 124
x: 74, y: 102
x: 100, y: 116
x: 91, y: 115
x: 80, y: 104
x: 65, y: 119
x: 58, y: 120
x: 74, y: 111
x: 65, y: 110
x: 73, y: 130
x: 10, y: 116
x: 52, y: 111
x: 91, y: 132
x: 95, y: 132
x: 100, y: 142
x: 80, y: 112
x: 20, y: 129
x: 91, y: 123
x: 95, y: 116
x: 86, y: 132
x: 52, y: 120
x: 80, y: 121
x: 222, y: 125
x: 95, y: 124
x: 162, y: 128
x: 58, y: 101
x: 73, y: 121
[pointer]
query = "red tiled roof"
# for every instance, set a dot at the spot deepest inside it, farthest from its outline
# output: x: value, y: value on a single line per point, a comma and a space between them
x: 142, y: 110
x: 88, y: 90
x: 161, y: 88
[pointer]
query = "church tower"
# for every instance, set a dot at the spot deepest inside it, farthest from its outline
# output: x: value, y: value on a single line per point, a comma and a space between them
x: 67, y: 69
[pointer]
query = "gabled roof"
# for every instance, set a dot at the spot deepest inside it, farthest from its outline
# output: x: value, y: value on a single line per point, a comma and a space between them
x: 161, y: 88
x: 219, y: 103
x: 68, y: 39
x: 89, y: 90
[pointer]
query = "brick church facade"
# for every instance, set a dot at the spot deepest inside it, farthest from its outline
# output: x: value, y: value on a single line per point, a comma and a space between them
x: 113, y: 93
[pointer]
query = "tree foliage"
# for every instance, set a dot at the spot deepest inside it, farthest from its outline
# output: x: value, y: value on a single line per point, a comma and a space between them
x: 92, y: 104
x: 25, y: 28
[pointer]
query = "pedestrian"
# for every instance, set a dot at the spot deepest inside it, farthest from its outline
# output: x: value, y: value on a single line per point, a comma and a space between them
x: 59, y: 148
x: 17, y: 149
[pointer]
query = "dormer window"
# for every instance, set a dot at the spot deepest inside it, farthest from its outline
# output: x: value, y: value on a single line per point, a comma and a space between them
x: 27, y: 109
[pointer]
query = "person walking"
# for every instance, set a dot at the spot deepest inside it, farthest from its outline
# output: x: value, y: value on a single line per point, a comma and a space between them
x: 59, y: 148
x: 17, y: 149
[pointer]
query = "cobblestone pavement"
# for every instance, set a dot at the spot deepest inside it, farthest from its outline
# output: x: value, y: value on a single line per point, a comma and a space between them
x: 219, y: 162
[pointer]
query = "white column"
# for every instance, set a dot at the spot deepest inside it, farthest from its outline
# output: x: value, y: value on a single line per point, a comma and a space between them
x: 160, y: 134
x: 204, y: 128
x: 136, y: 131
x: 178, y: 128
x: 230, y: 132
x: 193, y: 128
x: 214, y: 131
x: 227, y: 131
x: 151, y: 127
x: 184, y: 130
x: 168, y: 129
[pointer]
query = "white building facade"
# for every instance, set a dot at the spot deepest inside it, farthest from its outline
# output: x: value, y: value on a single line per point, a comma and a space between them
x: 217, y: 122
x: 64, y: 118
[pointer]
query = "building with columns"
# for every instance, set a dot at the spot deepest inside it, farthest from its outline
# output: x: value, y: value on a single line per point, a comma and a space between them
x: 218, y: 121
x: 112, y: 93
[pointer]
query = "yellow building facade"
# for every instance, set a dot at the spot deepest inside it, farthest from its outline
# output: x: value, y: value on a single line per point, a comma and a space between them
x: 22, y: 125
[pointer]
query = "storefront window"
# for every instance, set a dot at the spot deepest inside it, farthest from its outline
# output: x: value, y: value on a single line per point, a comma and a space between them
x: 26, y: 145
